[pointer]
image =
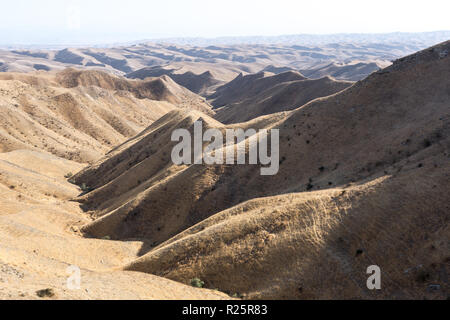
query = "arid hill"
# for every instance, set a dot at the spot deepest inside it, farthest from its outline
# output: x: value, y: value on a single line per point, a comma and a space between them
x: 79, y: 123
x: 87, y: 179
x: 244, y: 86
x: 227, y: 58
x: 352, y: 72
x: 161, y: 88
x: 51, y: 125
x: 199, y: 83
x: 273, y: 94
x: 363, y: 180
x: 276, y: 70
x: 40, y: 240
x: 80, y: 115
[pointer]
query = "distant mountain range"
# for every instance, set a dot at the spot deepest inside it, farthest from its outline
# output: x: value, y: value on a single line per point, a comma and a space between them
x: 414, y: 38
x: 200, y: 63
x: 427, y: 38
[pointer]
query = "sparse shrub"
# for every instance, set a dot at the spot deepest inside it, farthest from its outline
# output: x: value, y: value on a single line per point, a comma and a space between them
x: 45, y: 293
x: 68, y: 175
x: 427, y: 143
x: 379, y: 163
x: 423, y: 276
x: 197, y: 283
x: 85, y: 188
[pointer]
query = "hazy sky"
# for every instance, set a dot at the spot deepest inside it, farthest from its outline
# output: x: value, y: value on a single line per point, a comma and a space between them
x: 89, y: 21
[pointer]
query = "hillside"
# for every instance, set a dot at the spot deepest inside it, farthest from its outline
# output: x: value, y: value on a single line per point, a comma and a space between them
x: 244, y: 86
x: 40, y: 239
x: 80, y: 115
x: 51, y: 126
x: 352, y: 72
x: 161, y: 88
x: 363, y: 179
x: 274, y: 96
x: 198, y: 83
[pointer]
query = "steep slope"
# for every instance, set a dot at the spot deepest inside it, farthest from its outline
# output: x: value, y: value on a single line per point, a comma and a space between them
x: 77, y: 122
x: 198, y: 83
x: 379, y: 151
x: 247, y: 86
x: 352, y: 72
x: 283, y: 96
x: 80, y: 115
x: 161, y: 89
x: 40, y: 240
x: 227, y: 57
x: 318, y: 245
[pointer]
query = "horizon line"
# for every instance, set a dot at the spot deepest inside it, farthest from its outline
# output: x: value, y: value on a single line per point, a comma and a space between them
x: 164, y: 40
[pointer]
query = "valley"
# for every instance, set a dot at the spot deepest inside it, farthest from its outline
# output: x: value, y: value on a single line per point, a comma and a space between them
x: 87, y: 177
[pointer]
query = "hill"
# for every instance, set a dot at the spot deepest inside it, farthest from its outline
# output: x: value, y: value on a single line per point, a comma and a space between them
x: 39, y: 228
x: 363, y: 180
x: 275, y: 95
x: 244, y: 86
x: 352, y: 72
x: 226, y: 58
x: 80, y: 115
x: 198, y: 83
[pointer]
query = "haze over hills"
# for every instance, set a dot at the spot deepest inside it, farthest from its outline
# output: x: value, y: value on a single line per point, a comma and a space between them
x: 345, y: 57
x: 87, y: 177
x: 413, y: 38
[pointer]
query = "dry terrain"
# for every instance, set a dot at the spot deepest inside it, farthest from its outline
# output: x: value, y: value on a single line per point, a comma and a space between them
x: 255, y: 95
x: 198, y: 61
x: 364, y: 176
x: 40, y: 239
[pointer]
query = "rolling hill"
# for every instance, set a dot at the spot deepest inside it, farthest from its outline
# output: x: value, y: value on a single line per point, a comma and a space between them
x: 80, y: 115
x: 355, y: 56
x: 363, y: 180
x: 251, y: 96
x: 87, y: 179
x: 198, y: 83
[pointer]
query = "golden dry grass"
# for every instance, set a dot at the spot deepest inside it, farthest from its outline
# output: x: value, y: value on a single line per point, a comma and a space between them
x: 381, y: 146
x: 363, y: 180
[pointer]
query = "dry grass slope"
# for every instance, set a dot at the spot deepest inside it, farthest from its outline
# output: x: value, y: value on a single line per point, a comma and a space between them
x: 379, y: 152
x: 363, y: 180
x: 80, y: 115
x: 40, y: 239
x: 279, y: 95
